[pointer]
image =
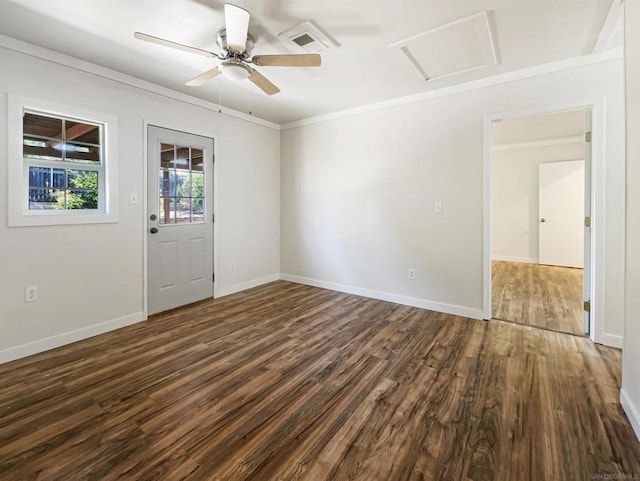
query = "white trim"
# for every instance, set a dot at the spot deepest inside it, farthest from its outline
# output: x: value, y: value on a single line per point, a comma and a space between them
x: 539, y: 143
x: 41, y: 345
x: 613, y: 22
x: 631, y: 410
x: 19, y: 46
x: 611, y: 340
x: 523, y: 260
x: 452, y: 309
x: 538, y: 70
x: 598, y: 161
x: 145, y: 222
x: 243, y: 286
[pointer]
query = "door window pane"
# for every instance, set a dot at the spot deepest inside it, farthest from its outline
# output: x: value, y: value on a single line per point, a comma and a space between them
x: 182, y: 158
x: 197, y: 160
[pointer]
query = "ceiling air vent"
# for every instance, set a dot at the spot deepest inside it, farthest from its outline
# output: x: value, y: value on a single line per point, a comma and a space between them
x: 308, y: 37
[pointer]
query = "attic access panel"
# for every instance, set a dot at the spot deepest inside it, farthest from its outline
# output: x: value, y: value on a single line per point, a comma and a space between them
x: 457, y: 47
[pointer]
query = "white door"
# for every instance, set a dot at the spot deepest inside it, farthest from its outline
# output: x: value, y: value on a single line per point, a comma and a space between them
x: 180, y: 223
x: 561, y: 211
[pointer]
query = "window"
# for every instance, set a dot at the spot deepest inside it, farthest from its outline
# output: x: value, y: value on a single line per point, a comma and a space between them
x: 62, y: 164
x: 181, y: 185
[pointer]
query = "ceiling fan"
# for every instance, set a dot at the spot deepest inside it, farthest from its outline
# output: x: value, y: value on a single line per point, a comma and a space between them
x: 235, y: 46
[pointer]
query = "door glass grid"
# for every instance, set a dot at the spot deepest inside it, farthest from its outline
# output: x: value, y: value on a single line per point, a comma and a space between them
x: 181, y: 184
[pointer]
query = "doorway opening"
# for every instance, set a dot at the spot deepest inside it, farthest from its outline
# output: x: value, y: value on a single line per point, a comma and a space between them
x: 540, y: 262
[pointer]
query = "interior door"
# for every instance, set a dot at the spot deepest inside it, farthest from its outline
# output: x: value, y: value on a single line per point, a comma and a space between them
x: 180, y: 223
x: 561, y: 211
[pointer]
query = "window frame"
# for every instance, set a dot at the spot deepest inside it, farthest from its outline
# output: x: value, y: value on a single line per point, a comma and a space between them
x: 18, y: 166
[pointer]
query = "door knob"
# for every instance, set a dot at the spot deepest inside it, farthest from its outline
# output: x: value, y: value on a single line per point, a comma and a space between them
x: 153, y: 230
x: 543, y: 220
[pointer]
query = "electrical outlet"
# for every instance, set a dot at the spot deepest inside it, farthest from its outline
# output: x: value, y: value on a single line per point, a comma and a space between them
x: 233, y: 265
x: 31, y: 294
x: 412, y: 274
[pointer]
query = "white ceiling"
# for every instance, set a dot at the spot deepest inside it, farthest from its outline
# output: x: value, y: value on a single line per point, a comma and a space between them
x: 362, y: 70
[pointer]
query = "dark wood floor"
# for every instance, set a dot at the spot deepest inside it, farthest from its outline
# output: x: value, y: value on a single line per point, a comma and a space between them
x: 289, y: 382
x: 548, y: 297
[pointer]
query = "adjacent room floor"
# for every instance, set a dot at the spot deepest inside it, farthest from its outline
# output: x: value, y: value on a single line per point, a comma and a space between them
x: 547, y: 297
x: 287, y: 381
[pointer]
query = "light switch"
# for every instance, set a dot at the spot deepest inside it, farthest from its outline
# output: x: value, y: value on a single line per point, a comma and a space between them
x: 133, y: 198
x: 437, y: 207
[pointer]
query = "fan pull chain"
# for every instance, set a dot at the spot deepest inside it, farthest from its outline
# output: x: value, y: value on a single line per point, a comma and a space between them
x: 220, y: 95
x: 250, y: 97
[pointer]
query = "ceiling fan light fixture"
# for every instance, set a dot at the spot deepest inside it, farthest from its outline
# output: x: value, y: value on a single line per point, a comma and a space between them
x: 235, y: 71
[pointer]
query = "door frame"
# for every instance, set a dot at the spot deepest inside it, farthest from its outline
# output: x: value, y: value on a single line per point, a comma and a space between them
x: 143, y: 198
x: 596, y: 288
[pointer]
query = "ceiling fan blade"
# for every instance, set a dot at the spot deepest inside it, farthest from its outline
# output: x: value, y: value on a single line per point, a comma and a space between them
x: 204, y: 77
x: 237, y: 25
x: 262, y: 83
x: 304, y: 60
x: 170, y: 44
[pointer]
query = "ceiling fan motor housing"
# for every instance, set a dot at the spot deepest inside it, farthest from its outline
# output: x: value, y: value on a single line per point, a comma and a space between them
x: 227, y: 52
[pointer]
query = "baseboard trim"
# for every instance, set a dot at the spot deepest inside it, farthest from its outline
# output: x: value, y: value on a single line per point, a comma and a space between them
x: 524, y: 260
x: 243, y: 286
x: 41, y: 345
x: 452, y: 309
x: 632, y: 412
x: 611, y: 340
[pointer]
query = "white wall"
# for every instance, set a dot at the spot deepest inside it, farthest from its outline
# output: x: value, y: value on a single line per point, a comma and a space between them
x: 358, y: 192
x: 515, y: 226
x: 630, y: 395
x: 93, y: 274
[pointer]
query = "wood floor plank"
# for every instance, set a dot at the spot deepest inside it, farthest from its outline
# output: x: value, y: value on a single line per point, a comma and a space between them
x: 549, y: 297
x: 290, y: 382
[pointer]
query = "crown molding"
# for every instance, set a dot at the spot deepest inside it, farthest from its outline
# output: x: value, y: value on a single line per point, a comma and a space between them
x: 508, y: 77
x: 10, y: 43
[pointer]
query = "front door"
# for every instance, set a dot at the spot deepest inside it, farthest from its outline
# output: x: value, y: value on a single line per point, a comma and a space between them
x: 180, y: 223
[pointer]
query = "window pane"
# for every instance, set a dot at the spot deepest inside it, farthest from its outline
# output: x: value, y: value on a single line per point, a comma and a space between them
x: 85, y: 133
x: 81, y: 153
x: 197, y: 161
x: 166, y: 156
x: 197, y: 209
x: 46, y: 186
x: 167, y: 213
x: 197, y: 185
x: 36, y: 148
x: 167, y: 183
x: 183, y: 210
x: 182, y: 158
x: 183, y: 184
x: 41, y: 126
x: 82, y: 189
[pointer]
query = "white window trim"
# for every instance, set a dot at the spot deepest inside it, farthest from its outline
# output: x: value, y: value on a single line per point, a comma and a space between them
x: 19, y: 214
